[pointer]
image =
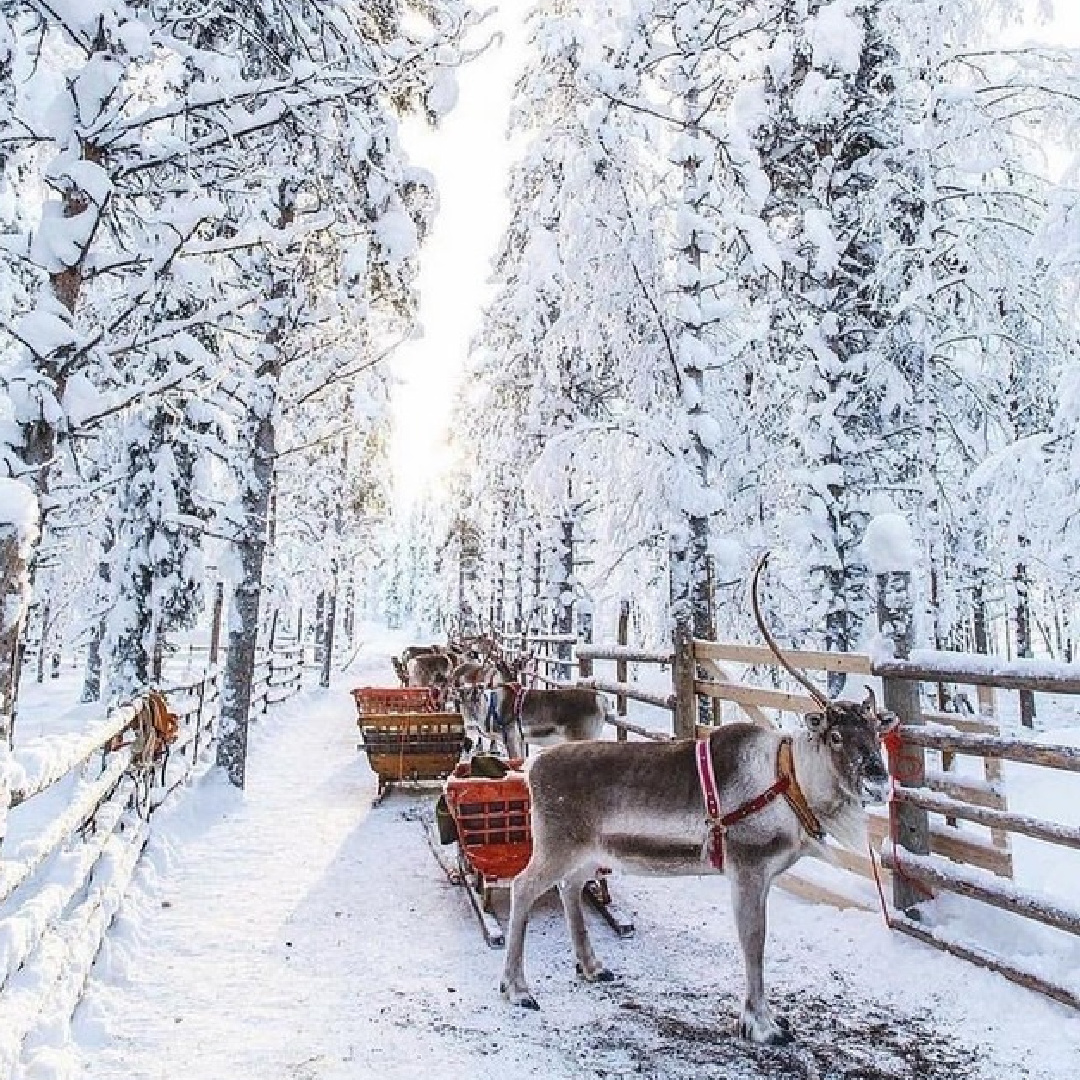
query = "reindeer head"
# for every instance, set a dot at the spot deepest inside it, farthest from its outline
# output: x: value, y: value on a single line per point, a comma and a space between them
x: 849, y: 732
x: 508, y: 669
x: 851, y: 735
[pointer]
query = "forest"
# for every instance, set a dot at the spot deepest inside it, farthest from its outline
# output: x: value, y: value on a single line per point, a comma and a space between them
x: 777, y: 273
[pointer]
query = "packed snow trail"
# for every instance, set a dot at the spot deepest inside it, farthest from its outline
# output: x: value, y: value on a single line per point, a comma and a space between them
x: 292, y: 932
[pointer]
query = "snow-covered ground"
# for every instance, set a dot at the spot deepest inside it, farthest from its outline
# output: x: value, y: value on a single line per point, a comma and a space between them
x: 295, y: 932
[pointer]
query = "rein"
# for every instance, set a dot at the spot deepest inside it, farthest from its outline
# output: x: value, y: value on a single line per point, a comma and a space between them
x: 785, y: 784
x: 494, y: 714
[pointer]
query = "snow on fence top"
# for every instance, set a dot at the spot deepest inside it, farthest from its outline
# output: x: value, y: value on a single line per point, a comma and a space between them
x: 1047, y: 675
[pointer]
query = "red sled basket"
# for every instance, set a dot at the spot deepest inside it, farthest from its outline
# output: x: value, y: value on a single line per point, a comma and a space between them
x: 394, y: 699
x: 492, y: 819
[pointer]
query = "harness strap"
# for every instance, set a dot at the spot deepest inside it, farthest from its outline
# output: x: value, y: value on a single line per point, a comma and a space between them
x: 785, y: 766
x: 493, y: 720
x: 785, y: 784
x: 520, y: 691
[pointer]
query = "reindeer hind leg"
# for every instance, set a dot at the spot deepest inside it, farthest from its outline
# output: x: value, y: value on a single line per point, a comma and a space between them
x: 535, y: 880
x: 588, y: 966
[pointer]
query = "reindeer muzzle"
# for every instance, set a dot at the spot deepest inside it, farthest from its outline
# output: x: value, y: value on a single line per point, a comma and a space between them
x: 874, y: 792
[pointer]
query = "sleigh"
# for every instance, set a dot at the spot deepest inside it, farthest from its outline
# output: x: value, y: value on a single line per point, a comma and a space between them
x: 406, y: 738
x: 494, y: 837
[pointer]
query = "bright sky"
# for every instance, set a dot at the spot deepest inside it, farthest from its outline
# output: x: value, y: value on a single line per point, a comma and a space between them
x: 470, y: 157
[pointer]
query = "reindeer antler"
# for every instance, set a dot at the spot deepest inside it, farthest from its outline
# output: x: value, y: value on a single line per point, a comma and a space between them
x: 797, y: 675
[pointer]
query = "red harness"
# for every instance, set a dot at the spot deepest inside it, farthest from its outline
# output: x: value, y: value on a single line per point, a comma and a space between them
x: 520, y: 691
x: 785, y: 785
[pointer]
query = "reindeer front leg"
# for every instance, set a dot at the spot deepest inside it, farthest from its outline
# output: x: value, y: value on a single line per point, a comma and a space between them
x: 527, y: 888
x: 750, y: 892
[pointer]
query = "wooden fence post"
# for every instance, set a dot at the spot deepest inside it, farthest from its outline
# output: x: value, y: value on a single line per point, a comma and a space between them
x: 621, y: 673
x: 909, y: 824
x: 585, y: 667
x: 683, y: 673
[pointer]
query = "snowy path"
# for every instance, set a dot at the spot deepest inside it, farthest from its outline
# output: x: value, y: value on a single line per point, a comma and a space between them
x: 293, y: 933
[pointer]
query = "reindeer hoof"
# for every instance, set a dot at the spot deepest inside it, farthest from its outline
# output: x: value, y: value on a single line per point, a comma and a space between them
x: 601, y: 974
x: 522, y: 1000
x: 766, y: 1032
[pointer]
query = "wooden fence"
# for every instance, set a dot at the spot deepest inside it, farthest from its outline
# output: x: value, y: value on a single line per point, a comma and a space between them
x: 74, y: 819
x: 946, y: 829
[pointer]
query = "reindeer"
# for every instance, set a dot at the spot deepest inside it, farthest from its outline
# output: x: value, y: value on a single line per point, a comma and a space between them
x: 746, y: 801
x: 468, y: 683
x: 541, y: 717
x: 431, y: 669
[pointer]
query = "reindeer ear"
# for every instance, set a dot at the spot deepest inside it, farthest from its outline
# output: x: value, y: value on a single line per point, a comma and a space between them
x: 815, y: 722
x: 887, y: 721
x: 870, y: 704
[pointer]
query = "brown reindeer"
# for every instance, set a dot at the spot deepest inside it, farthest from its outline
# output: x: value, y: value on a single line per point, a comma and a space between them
x: 430, y: 669
x: 534, y: 717
x: 746, y: 801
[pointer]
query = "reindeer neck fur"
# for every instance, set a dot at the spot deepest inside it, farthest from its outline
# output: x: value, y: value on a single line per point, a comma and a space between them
x: 840, y: 812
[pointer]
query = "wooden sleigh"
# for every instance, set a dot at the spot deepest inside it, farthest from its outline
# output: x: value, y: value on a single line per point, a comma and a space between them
x: 406, y: 737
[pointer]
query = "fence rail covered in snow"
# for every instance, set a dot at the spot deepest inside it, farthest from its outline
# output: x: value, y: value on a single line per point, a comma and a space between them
x: 74, y: 814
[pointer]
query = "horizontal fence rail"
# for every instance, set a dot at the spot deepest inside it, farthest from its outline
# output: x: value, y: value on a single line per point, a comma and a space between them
x: 1065, y: 835
x: 61, y: 885
x: 982, y: 671
x: 1009, y: 749
x: 624, y: 653
x: 631, y: 691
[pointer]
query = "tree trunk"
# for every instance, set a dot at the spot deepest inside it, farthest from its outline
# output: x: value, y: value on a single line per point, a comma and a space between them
x: 43, y: 638
x: 244, y: 623
x: 13, y: 600
x: 215, y: 625
x: 1023, y: 635
x: 92, y: 674
x: 253, y: 533
x: 328, y: 651
x: 320, y: 625
x: 519, y: 584
x: 91, y: 690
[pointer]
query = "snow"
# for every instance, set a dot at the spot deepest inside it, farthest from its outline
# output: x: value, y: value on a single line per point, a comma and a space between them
x: 44, y: 331
x: 888, y: 544
x: 396, y: 234
x: 19, y: 510
x: 82, y: 399
x: 962, y: 663
x: 818, y: 100
x: 836, y: 36
x: 818, y: 228
x: 443, y: 95
x: 293, y: 931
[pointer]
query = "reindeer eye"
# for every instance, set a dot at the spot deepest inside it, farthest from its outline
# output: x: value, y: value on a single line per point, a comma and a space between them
x: 836, y: 739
